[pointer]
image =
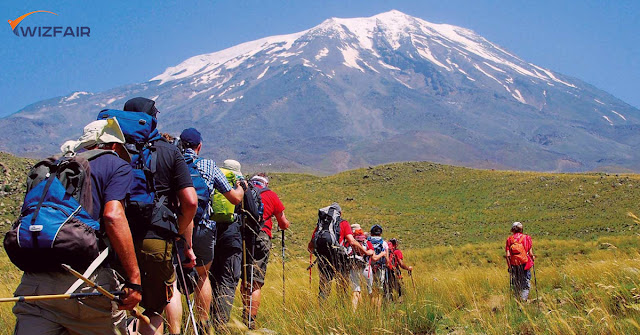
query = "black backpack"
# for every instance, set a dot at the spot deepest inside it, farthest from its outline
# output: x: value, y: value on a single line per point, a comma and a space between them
x: 251, y: 208
x: 326, y: 242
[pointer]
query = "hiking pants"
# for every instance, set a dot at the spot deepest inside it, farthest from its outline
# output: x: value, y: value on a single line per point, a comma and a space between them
x: 520, y: 281
x: 328, y: 272
x: 225, y: 270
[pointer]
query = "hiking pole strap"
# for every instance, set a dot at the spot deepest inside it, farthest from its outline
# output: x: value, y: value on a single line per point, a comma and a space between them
x: 108, y: 294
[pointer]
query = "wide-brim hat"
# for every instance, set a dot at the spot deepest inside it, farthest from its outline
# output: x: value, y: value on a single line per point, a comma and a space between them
x: 355, y: 227
x: 99, y: 132
x: 233, y: 166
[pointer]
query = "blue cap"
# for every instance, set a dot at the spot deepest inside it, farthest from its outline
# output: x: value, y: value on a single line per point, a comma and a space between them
x: 191, y: 136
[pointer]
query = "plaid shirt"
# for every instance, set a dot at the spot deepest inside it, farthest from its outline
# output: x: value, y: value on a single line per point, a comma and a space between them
x: 211, y: 174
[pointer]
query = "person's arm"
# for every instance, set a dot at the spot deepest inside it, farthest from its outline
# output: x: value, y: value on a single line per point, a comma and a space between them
x: 375, y: 258
x: 356, y: 245
x: 310, y: 246
x: 404, y: 266
x: 117, y: 229
x: 235, y: 194
x: 507, y: 255
x: 283, y: 223
x: 188, y: 207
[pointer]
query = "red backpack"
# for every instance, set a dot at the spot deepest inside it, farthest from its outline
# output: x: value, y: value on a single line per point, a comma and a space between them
x: 517, y: 251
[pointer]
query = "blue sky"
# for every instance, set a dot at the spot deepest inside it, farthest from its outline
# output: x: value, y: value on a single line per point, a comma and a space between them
x: 132, y: 41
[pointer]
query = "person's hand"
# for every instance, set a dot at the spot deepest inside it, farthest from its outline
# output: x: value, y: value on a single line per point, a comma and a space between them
x: 410, y: 270
x: 190, y: 258
x: 242, y: 184
x: 130, y: 300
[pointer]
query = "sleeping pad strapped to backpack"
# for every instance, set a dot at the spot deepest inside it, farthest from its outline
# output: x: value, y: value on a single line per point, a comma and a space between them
x: 326, y: 242
x: 144, y: 210
x: 55, y: 225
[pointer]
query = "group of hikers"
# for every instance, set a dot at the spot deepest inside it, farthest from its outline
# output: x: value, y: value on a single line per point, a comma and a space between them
x: 127, y: 215
x: 350, y: 256
x: 139, y: 217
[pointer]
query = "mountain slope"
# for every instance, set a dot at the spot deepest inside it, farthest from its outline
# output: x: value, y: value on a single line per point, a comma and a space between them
x: 353, y: 92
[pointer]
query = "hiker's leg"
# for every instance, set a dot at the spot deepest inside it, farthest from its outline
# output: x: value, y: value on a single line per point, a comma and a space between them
x: 526, y: 285
x: 260, y: 261
x: 203, y: 294
x: 326, y: 272
x: 173, y: 311
x: 226, y: 274
x: 368, y: 276
x: 158, y: 275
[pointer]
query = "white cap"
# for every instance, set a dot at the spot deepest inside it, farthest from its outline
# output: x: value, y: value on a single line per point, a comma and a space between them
x: 516, y: 224
x: 99, y: 132
x: 233, y: 166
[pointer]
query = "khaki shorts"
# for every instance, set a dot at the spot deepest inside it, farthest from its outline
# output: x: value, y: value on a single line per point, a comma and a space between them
x: 94, y: 315
x: 158, y: 274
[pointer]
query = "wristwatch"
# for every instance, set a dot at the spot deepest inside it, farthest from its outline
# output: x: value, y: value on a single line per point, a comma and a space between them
x: 135, y: 287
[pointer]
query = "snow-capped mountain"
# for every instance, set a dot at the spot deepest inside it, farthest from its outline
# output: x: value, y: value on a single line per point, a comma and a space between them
x: 360, y: 91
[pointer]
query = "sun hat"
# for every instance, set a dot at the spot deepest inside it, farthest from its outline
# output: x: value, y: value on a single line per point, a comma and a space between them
x: 263, y: 181
x: 355, y: 227
x: 232, y: 165
x: 99, y: 132
x: 516, y: 224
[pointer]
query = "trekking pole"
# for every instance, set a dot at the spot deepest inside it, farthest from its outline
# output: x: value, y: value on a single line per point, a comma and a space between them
x: 283, y: 291
x: 25, y: 298
x: 413, y: 282
x: 310, y: 266
x: 253, y: 240
x: 535, y: 281
x: 109, y: 295
x: 189, y: 303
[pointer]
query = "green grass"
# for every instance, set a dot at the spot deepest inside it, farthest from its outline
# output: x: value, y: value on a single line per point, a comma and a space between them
x: 452, y: 223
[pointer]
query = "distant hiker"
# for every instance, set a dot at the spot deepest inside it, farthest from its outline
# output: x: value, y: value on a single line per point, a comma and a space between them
x: 520, y: 258
x: 259, y: 258
x: 359, y: 263
x: 227, y: 261
x: 395, y: 262
x: 108, y: 180
x: 329, y: 242
x: 161, y: 207
x: 379, y: 267
x: 207, y: 178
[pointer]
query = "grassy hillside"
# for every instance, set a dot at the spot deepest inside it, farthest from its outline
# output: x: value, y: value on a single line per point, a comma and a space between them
x: 452, y: 223
x: 428, y: 204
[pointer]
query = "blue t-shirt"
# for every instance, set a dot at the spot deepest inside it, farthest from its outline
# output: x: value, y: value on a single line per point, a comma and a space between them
x: 111, y: 180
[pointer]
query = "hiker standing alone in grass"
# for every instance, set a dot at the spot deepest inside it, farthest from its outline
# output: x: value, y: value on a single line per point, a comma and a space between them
x: 519, y: 249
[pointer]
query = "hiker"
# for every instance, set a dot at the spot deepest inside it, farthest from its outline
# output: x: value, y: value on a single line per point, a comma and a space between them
x: 395, y: 263
x: 520, y: 258
x: 162, y: 182
x: 110, y: 181
x: 260, y: 245
x: 379, y: 267
x: 226, y: 267
x: 360, y: 267
x: 207, y: 178
x: 329, y: 242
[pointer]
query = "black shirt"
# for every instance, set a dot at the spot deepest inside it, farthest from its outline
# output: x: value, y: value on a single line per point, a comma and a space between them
x: 172, y: 174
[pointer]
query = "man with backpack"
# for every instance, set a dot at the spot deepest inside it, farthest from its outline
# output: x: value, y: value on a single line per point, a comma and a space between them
x: 226, y: 267
x: 379, y: 267
x: 160, y: 208
x: 360, y: 265
x: 207, y: 178
x: 95, y: 191
x: 329, y: 242
x: 394, y: 265
x: 520, y: 258
x: 260, y: 244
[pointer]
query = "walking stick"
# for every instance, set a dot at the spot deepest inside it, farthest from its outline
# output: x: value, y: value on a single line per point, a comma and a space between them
x: 535, y: 281
x: 189, y: 303
x: 283, y: 291
x: 25, y: 298
x: 310, y: 266
x: 413, y: 282
x: 109, y: 295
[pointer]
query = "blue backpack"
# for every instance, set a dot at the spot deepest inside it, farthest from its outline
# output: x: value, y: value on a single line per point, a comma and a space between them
x: 378, y: 247
x: 203, y: 191
x: 144, y: 210
x: 55, y: 225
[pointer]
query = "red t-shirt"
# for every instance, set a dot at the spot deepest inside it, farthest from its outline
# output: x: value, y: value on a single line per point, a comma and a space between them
x: 394, y: 259
x: 272, y: 205
x: 527, y: 243
x: 345, y: 229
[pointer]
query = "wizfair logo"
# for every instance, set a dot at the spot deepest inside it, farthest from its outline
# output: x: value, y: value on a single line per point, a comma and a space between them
x: 46, y: 31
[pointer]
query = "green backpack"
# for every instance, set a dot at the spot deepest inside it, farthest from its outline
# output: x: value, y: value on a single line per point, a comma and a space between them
x: 223, y: 209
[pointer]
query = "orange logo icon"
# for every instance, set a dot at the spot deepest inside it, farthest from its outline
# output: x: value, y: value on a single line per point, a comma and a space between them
x: 16, y: 22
